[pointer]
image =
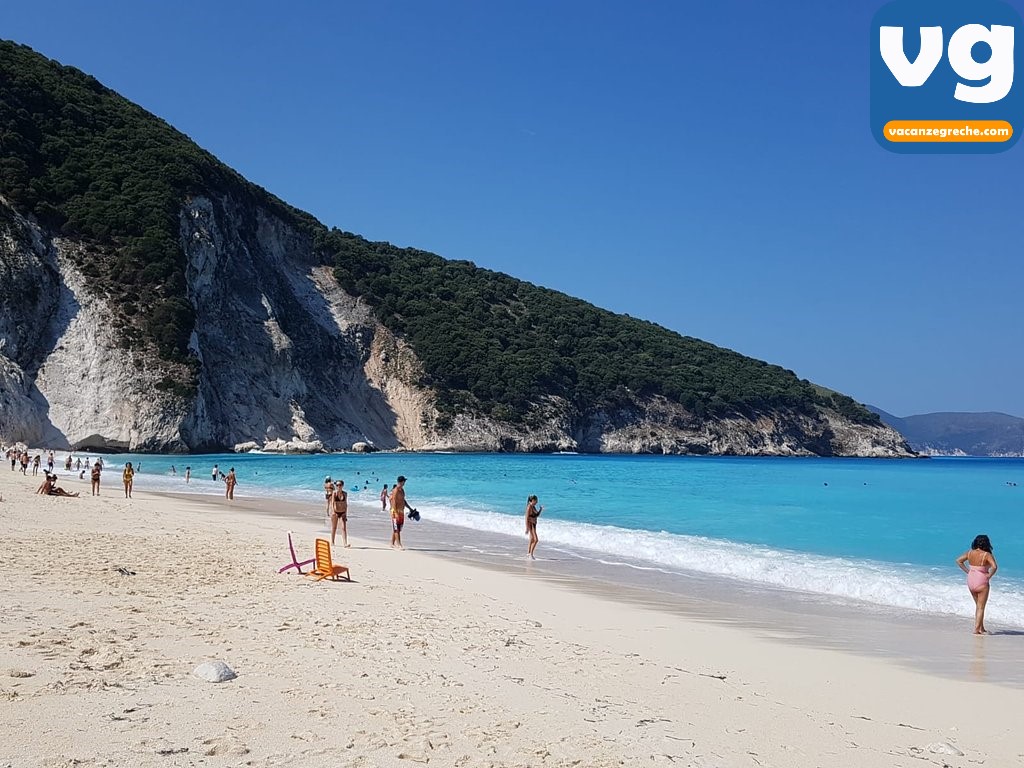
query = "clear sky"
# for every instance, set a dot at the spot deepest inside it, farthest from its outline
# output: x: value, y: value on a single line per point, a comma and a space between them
x: 706, y: 166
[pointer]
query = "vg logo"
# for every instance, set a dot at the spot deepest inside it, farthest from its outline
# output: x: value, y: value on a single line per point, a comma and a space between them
x: 946, y: 76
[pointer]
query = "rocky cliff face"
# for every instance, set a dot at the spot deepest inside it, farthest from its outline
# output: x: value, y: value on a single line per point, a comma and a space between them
x: 290, y: 361
x: 287, y: 360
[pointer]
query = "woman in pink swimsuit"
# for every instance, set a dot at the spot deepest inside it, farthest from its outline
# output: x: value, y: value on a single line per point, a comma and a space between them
x: 980, y: 565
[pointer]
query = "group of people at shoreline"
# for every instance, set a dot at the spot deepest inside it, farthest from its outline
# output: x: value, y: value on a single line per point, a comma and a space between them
x: 336, y: 501
x: 336, y: 507
x: 978, y: 562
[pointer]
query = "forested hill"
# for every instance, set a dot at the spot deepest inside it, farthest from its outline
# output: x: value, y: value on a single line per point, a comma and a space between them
x: 499, y: 343
x: 88, y: 165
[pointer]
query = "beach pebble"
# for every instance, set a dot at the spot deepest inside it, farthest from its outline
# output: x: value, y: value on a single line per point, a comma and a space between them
x: 20, y: 673
x: 214, y: 672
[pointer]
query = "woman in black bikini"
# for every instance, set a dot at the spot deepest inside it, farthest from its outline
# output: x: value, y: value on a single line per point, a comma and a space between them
x: 532, y: 513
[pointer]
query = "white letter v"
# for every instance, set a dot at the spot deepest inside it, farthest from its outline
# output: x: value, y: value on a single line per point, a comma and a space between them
x: 907, y: 74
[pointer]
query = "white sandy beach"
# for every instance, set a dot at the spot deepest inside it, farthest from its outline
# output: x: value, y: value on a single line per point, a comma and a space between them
x: 421, y: 660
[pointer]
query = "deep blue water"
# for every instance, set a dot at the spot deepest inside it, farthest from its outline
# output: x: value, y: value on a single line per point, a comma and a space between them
x: 885, y: 531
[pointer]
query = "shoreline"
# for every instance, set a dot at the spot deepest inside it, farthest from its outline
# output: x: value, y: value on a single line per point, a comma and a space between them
x: 420, y: 659
x: 936, y: 644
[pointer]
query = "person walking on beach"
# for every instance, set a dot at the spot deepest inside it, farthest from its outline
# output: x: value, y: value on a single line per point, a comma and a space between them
x: 384, y: 498
x: 329, y: 496
x: 398, y: 505
x: 188, y: 474
x: 980, y: 566
x: 532, y: 513
x: 339, y: 513
x: 97, y: 468
x: 49, y: 462
x: 230, y: 481
x: 35, y: 465
x: 129, y: 477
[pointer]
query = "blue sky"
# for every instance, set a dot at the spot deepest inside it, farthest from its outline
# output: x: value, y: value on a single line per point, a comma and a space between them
x: 706, y: 166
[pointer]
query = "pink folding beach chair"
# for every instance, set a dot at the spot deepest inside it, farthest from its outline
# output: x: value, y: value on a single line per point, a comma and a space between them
x: 295, y: 560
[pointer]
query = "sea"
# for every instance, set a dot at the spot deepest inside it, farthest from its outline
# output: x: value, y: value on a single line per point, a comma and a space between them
x: 868, y: 532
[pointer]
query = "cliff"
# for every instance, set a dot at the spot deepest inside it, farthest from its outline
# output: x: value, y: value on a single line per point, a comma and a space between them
x: 153, y: 300
x: 288, y: 360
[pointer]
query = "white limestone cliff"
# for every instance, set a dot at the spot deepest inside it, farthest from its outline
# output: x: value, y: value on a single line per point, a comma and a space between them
x: 289, y: 361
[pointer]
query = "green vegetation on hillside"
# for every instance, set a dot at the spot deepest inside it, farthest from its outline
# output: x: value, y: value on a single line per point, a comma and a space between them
x: 506, y: 344
x: 90, y: 164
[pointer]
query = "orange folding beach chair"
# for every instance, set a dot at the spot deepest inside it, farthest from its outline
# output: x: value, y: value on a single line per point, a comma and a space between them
x: 325, y: 569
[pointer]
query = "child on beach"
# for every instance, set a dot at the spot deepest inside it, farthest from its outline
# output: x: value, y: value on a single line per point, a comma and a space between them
x: 329, y: 495
x: 532, y: 513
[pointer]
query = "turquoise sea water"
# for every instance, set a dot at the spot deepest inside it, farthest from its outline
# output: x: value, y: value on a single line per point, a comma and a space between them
x: 882, y: 531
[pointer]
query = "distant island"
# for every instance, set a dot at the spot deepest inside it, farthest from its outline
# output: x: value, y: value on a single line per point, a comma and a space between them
x: 960, y: 434
x: 154, y: 300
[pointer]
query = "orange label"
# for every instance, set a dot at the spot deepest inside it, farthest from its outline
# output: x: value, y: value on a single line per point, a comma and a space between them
x: 947, y: 130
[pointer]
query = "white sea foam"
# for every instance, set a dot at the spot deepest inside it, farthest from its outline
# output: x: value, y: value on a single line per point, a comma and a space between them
x: 887, y: 584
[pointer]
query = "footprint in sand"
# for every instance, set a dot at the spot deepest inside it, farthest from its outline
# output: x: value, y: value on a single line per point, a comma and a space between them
x: 224, y: 745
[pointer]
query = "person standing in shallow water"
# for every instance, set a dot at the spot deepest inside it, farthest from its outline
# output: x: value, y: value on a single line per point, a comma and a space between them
x: 980, y: 566
x: 532, y: 513
x: 384, y: 498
